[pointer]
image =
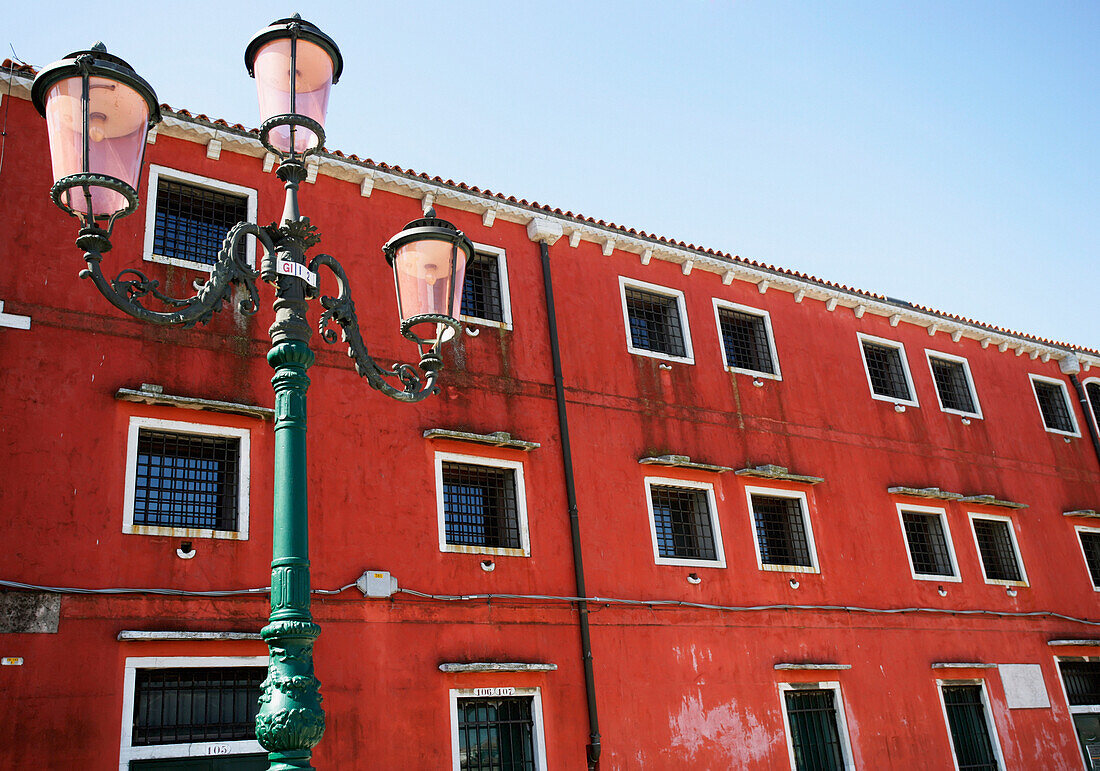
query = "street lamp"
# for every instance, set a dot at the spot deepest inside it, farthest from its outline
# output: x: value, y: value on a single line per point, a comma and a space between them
x: 98, y: 112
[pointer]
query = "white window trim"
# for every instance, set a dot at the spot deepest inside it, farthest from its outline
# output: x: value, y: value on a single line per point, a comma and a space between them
x: 1065, y: 395
x: 681, y: 306
x: 207, y: 429
x: 990, y: 725
x: 1084, y: 387
x: 521, y: 505
x: 720, y: 305
x: 900, y: 348
x: 1085, y: 529
x: 779, y: 493
x: 155, y: 173
x: 942, y: 513
x: 505, y: 301
x: 128, y: 752
x: 931, y: 354
x: 1075, y: 709
x: 973, y: 515
x: 841, y: 720
x: 716, y: 528
x: 539, y: 733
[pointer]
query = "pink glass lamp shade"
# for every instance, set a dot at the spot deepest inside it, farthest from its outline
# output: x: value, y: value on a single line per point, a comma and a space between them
x: 295, y: 65
x: 98, y: 112
x: 429, y: 266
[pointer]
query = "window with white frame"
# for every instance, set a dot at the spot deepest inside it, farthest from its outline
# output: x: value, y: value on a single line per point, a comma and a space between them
x: 1089, y: 538
x: 817, y: 732
x: 186, y: 479
x: 747, y: 342
x: 954, y: 385
x: 198, y: 708
x: 189, y: 216
x: 928, y: 543
x: 781, y: 528
x: 1081, y: 680
x: 656, y: 321
x: 887, y: 370
x: 1092, y: 391
x: 1054, y: 405
x: 683, y: 523
x: 998, y: 551
x: 485, y: 288
x: 973, y: 736
x: 482, y: 505
x: 497, y: 729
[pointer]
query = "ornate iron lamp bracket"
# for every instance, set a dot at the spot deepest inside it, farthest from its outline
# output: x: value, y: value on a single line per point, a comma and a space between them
x: 128, y: 288
x: 341, y: 310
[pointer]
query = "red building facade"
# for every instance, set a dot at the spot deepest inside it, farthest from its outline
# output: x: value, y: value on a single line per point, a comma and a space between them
x: 820, y: 528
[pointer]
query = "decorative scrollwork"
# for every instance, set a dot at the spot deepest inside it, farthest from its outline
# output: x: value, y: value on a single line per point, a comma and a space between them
x: 341, y: 310
x: 129, y: 288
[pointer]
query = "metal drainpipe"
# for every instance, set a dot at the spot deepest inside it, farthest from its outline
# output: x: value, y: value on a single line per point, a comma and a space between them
x: 1086, y: 407
x: 574, y: 522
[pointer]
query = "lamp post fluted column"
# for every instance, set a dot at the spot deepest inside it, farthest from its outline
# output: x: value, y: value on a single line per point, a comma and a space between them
x: 290, y: 721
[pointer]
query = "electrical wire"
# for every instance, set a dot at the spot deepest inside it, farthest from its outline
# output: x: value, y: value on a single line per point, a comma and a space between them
x: 746, y: 608
x: 607, y: 601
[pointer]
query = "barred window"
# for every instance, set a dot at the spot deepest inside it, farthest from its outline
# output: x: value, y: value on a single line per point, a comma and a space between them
x: 192, y: 221
x: 952, y: 385
x: 186, y: 480
x: 970, y: 737
x: 496, y: 734
x: 1092, y: 390
x: 887, y: 371
x: 926, y: 540
x: 998, y: 552
x: 682, y: 521
x: 815, y: 735
x: 781, y: 531
x: 1090, y: 545
x: 480, y: 506
x: 746, y: 340
x: 1054, y: 406
x: 1082, y: 679
x: 193, y: 704
x: 482, y: 297
x: 655, y: 323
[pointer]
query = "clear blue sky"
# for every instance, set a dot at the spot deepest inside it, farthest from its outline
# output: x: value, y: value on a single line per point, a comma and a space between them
x: 945, y: 153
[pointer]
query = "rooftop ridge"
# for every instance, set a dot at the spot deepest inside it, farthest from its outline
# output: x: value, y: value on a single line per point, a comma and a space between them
x: 613, y: 228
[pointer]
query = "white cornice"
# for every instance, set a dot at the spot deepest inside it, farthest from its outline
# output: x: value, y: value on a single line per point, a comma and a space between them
x: 606, y: 237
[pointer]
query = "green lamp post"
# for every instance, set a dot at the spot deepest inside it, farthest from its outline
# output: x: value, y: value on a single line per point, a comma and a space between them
x: 98, y: 112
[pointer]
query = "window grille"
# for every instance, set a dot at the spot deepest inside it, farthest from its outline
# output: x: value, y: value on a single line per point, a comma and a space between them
x: 887, y: 372
x: 952, y: 385
x: 481, y: 296
x: 1053, y: 406
x: 191, y: 222
x: 815, y: 737
x: 655, y: 322
x: 192, y: 704
x: 496, y: 734
x: 927, y: 544
x: 479, y: 506
x: 1082, y: 679
x: 969, y: 730
x: 681, y: 517
x: 1090, y: 544
x: 745, y: 341
x: 998, y: 554
x: 186, y: 480
x: 1092, y: 390
x: 781, y: 531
